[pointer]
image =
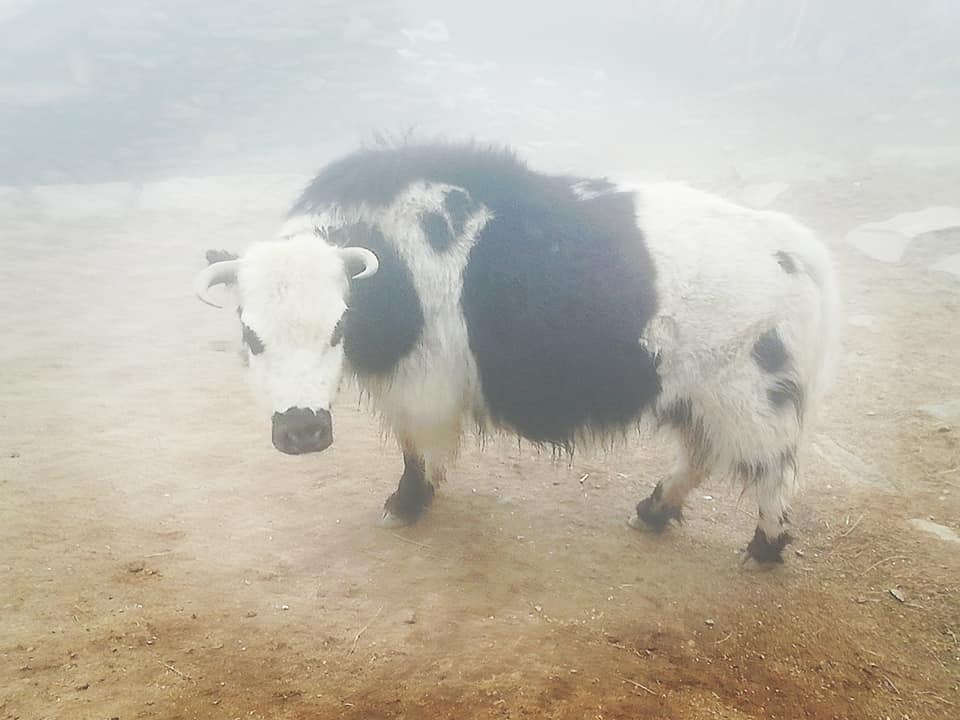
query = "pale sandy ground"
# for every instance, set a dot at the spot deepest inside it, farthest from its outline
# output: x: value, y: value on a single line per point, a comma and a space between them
x: 158, y: 559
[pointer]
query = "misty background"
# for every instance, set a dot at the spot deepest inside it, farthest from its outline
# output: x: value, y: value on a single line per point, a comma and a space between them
x: 232, y: 581
x: 139, y: 90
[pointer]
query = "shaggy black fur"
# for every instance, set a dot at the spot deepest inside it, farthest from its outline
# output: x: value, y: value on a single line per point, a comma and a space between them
x: 459, y: 207
x: 438, y: 232
x: 556, y: 293
x: 786, y: 391
x: 681, y: 417
x: 385, y: 319
x: 770, y: 353
x: 214, y: 256
x: 787, y: 262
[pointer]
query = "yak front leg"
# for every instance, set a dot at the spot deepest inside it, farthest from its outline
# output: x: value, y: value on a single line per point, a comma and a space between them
x: 413, y: 494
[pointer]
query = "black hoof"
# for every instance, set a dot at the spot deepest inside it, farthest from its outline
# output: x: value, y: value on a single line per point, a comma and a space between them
x: 656, y: 515
x: 764, y: 551
x: 406, y: 505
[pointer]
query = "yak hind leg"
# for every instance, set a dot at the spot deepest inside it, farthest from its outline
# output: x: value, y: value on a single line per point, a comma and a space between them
x: 775, y: 483
x: 665, y: 503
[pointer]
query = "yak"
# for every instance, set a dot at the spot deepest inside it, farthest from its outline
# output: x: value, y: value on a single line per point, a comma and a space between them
x: 462, y: 289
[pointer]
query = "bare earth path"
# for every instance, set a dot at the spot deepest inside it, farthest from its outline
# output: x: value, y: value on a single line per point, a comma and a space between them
x: 158, y: 559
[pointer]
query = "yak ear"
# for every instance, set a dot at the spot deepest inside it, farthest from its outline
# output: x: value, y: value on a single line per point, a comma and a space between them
x: 215, y: 256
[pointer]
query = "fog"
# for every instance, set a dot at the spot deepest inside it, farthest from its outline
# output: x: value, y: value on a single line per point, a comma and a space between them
x: 128, y: 89
x: 159, y: 558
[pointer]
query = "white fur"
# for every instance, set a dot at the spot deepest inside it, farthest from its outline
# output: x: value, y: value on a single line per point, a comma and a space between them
x: 435, y: 389
x: 292, y: 297
x: 436, y: 386
x: 720, y: 288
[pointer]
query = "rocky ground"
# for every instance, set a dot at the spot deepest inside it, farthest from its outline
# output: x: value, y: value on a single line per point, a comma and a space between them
x: 158, y: 559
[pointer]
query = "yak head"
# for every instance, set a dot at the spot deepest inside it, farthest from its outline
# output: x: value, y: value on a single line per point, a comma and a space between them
x: 292, y: 299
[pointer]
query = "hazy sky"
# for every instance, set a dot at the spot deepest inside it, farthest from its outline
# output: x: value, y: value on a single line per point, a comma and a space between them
x: 97, y: 90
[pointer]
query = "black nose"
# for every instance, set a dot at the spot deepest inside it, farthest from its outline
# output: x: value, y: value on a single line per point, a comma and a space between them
x: 301, y: 430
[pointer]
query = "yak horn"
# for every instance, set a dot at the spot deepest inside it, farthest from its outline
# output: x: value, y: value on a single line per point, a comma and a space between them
x: 218, y: 273
x: 360, y: 262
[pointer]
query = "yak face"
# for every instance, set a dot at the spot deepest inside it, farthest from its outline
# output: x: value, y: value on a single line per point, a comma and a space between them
x: 292, y: 305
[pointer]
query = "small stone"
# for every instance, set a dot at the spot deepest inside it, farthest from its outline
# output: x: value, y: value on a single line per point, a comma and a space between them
x: 945, y: 411
x: 799, y: 552
x: 941, y: 531
x: 410, y: 618
x: 538, y: 608
x: 861, y: 599
x: 284, y: 607
x: 898, y: 594
x: 709, y: 622
x: 251, y: 613
x: 14, y: 455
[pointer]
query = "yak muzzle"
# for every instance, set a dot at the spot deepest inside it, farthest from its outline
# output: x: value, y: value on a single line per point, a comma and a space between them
x: 300, y: 430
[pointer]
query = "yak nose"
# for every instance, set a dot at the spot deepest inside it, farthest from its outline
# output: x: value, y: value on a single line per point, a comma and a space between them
x: 302, y: 430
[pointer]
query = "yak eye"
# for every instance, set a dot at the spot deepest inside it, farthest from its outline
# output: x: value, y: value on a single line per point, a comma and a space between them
x: 252, y: 340
x: 337, y: 336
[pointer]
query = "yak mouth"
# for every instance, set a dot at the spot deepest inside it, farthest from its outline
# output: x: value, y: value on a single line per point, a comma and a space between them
x: 298, y: 431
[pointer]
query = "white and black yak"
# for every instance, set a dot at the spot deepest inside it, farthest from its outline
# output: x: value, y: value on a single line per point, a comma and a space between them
x: 462, y: 289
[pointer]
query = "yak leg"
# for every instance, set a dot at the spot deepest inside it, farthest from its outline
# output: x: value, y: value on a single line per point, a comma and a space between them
x: 413, y: 494
x: 775, y: 483
x: 665, y: 503
x: 428, y: 445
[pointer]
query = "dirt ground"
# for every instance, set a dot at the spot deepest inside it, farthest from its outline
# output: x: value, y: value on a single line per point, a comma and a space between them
x: 159, y: 559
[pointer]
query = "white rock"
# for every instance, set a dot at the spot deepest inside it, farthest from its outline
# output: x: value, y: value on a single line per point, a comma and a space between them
x: 940, y: 531
x: 946, y: 410
x: 887, y: 241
